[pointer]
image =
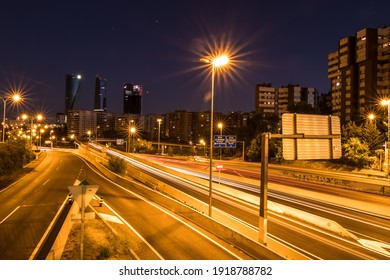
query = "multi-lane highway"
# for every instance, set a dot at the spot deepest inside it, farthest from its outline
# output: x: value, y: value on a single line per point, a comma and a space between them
x: 363, y: 217
x: 30, y: 205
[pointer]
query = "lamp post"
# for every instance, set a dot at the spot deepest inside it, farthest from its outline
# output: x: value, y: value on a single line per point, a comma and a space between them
x: 16, y: 98
x: 38, y: 117
x: 132, y: 132
x: 159, y: 125
x: 215, y: 62
x: 386, y: 102
x: 220, y: 126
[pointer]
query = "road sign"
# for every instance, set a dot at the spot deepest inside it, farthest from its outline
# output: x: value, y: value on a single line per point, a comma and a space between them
x: 219, y: 141
x: 225, y: 141
x: 219, y: 166
x: 319, y: 137
x: 231, y: 141
x: 83, y: 192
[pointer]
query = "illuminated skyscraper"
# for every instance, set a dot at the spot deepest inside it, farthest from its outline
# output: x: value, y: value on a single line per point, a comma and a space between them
x: 100, y: 95
x: 132, y: 99
x: 72, y: 92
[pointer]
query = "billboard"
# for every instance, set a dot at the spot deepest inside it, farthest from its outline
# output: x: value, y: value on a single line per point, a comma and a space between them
x: 312, y: 137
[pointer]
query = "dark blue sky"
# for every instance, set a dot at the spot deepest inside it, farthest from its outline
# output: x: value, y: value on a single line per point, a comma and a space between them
x: 157, y: 44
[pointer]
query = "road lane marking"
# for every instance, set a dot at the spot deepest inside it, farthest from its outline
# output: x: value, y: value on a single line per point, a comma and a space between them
x: 111, y: 218
x: 10, y: 214
x: 136, y: 232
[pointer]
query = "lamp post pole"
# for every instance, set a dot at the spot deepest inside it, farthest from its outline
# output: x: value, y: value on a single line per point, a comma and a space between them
x: 5, y: 104
x: 215, y: 62
x: 386, y: 102
x: 16, y: 97
x: 158, y: 145
x: 211, y: 140
x: 388, y: 137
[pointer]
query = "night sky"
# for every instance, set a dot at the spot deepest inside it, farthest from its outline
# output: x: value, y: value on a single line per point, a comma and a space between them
x: 158, y: 44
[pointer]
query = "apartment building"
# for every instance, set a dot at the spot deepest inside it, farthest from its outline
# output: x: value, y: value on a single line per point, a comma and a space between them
x: 359, y: 73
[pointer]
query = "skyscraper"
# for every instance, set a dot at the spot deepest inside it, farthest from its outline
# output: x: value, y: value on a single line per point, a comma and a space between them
x: 100, y: 95
x: 132, y: 99
x: 72, y: 92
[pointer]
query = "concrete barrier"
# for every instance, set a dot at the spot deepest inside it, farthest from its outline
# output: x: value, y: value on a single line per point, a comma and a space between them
x: 59, y: 244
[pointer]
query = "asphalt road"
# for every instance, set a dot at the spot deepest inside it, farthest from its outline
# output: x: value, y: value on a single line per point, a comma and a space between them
x: 358, y: 217
x: 29, y: 205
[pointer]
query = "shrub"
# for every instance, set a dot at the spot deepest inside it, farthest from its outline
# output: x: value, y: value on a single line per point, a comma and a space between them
x: 117, y: 165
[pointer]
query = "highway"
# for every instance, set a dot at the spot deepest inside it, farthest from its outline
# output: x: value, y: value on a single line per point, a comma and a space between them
x: 30, y: 205
x: 362, y: 224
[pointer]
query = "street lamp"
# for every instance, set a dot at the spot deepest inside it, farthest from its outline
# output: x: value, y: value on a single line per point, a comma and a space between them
x: 215, y: 63
x: 89, y: 135
x: 158, y: 145
x: 38, y: 117
x: 15, y: 98
x: 220, y: 126
x: 203, y: 143
x: 386, y: 102
x: 132, y: 132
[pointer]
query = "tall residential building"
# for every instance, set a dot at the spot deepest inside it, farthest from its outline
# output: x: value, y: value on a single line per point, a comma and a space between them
x: 179, y: 126
x: 72, y: 92
x: 266, y: 99
x: 290, y: 95
x: 277, y: 101
x: 132, y: 99
x: 80, y: 122
x: 100, y: 95
x: 359, y: 73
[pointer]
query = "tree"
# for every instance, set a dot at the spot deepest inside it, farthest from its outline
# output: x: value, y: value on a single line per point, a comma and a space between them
x: 372, y: 137
x: 254, y: 150
x: 356, y: 153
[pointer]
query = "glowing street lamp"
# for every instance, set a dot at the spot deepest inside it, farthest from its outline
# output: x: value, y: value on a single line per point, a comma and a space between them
x: 159, y: 125
x: 133, y: 130
x: 220, y: 126
x: 14, y: 98
x: 215, y: 63
x: 38, y: 117
x: 89, y: 135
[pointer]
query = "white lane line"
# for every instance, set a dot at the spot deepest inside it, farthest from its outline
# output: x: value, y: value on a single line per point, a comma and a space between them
x: 10, y: 214
x: 168, y: 213
x: 136, y: 232
x: 111, y: 218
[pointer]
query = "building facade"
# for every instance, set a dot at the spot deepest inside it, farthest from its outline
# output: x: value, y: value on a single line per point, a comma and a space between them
x: 359, y: 73
x: 277, y: 101
x: 100, y: 104
x: 132, y: 99
x: 72, y: 92
x: 82, y: 123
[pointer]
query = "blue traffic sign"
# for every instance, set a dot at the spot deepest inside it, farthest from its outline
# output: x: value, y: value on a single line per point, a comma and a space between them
x: 225, y: 141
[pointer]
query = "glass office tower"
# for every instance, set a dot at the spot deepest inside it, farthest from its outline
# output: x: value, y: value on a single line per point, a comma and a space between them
x: 100, y: 95
x: 132, y: 99
x: 72, y: 92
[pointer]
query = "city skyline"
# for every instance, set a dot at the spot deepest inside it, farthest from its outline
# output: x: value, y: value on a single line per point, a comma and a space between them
x: 160, y: 47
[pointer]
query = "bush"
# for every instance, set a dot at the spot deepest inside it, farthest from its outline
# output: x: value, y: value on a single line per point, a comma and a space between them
x: 14, y: 155
x: 117, y: 165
